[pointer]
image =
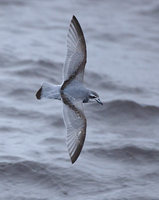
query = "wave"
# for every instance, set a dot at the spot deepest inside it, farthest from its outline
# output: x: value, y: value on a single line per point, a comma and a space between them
x: 31, y: 171
x: 104, y: 82
x: 151, y: 11
x: 12, y: 2
x: 45, y: 69
x: 21, y: 197
x: 48, y: 175
x: 127, y: 153
x: 125, y: 109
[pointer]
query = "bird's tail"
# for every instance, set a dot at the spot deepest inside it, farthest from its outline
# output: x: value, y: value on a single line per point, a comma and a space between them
x: 49, y: 91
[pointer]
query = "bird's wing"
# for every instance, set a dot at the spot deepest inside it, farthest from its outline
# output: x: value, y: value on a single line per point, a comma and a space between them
x: 75, y: 122
x: 76, y: 52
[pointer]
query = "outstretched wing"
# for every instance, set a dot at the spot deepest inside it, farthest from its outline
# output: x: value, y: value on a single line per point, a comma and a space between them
x: 76, y: 52
x: 76, y: 124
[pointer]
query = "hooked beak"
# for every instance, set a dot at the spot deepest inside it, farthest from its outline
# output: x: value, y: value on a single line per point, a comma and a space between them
x: 99, y: 101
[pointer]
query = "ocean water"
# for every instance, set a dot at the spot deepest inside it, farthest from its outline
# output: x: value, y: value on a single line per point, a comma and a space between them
x: 120, y: 157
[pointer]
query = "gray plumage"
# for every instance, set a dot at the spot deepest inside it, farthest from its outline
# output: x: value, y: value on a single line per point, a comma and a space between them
x: 72, y: 91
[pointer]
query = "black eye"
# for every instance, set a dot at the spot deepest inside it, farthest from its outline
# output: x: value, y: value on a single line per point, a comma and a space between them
x: 92, y: 96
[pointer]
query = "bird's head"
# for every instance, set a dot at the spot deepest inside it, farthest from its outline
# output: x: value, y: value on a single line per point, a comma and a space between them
x: 94, y: 96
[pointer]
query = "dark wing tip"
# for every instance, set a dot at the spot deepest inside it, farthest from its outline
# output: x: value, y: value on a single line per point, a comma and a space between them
x: 38, y: 94
x: 74, y: 18
x: 76, y: 154
x: 77, y: 24
x: 79, y: 31
x: 78, y: 150
x: 73, y: 160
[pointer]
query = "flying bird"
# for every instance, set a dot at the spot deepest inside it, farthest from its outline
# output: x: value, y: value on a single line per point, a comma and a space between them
x: 72, y: 91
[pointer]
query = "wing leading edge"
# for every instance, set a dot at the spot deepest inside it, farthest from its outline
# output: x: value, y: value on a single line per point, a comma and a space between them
x: 75, y: 122
x: 76, y: 52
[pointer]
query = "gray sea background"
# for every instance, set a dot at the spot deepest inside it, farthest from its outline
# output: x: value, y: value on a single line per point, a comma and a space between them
x: 120, y: 157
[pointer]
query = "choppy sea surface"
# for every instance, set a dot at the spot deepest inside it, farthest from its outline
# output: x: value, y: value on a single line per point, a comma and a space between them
x: 120, y: 158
